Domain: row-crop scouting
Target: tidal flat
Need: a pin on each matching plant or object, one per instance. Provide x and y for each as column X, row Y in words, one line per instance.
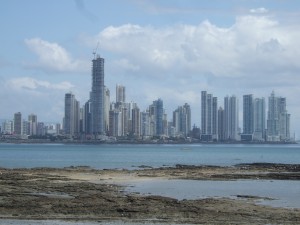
column 82, row 195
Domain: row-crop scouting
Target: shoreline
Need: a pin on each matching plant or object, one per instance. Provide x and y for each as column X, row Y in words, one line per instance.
column 86, row 194
column 99, row 142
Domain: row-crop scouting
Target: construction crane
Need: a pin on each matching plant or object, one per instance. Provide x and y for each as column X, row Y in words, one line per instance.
column 95, row 51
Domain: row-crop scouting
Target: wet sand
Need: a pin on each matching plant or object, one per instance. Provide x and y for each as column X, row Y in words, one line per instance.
column 85, row 194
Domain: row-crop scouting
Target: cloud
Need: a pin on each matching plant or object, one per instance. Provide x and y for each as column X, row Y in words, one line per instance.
column 53, row 57
column 204, row 48
column 29, row 95
column 31, row 84
column 259, row 10
column 124, row 64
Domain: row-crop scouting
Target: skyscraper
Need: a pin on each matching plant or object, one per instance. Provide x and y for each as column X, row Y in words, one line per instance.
column 259, row 119
column 209, row 116
column 273, row 118
column 7, row 127
column 156, row 113
column 18, row 123
column 231, row 118
column 72, row 112
column 159, row 116
column 97, row 96
column 106, row 109
column 221, row 123
column 32, row 120
column 182, row 120
column 115, row 120
column 136, row 121
column 215, row 124
column 248, row 115
column 120, row 93
column 278, row 122
column 87, row 118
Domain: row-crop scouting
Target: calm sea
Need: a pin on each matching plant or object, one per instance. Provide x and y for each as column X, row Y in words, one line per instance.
column 131, row 156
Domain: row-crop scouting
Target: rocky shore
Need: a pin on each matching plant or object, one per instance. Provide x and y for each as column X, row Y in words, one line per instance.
column 85, row 194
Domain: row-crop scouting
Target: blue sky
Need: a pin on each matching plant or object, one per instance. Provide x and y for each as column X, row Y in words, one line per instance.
column 172, row 49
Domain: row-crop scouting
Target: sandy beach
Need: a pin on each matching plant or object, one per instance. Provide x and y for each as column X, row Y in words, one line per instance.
column 85, row 194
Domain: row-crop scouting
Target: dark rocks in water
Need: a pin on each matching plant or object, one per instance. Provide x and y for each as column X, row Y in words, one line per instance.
column 277, row 166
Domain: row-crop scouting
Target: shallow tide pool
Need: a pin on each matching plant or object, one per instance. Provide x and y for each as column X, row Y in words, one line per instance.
column 276, row 193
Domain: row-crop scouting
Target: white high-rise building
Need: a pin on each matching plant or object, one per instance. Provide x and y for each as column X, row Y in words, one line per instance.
column 182, row 120
column 32, row 120
column 209, row 117
column 231, row 118
column 278, row 123
column 72, row 115
column 7, row 127
column 120, row 93
column 106, row 109
column 145, row 124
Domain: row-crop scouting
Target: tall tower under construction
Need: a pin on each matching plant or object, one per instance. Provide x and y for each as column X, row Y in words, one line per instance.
column 97, row 96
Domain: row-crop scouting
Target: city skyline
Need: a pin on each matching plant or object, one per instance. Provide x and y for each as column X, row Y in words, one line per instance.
column 126, row 119
column 163, row 49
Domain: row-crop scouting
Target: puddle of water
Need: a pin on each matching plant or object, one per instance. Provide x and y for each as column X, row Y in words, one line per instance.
column 276, row 193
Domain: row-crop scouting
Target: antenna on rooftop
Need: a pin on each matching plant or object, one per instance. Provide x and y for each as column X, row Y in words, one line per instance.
column 95, row 51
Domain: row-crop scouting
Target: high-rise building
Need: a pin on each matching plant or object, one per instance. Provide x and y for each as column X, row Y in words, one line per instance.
column 115, row 120
column 18, row 123
column 278, row 122
column 182, row 120
column 259, row 119
column 273, row 118
column 231, row 118
column 97, row 96
column 72, row 113
column 106, row 109
column 120, row 93
column 41, row 129
column 215, row 124
column 32, row 120
column 204, row 110
column 7, row 127
column 136, row 122
column 25, row 127
column 209, row 118
column 248, row 115
column 145, row 124
column 82, row 120
column 156, row 117
column 159, row 115
column 284, row 120
column 221, row 124
column 87, row 118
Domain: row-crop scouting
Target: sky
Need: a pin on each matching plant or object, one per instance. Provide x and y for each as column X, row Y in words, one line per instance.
column 168, row 49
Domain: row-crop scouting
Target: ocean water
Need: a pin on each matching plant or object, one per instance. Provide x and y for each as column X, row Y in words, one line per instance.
column 131, row 156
